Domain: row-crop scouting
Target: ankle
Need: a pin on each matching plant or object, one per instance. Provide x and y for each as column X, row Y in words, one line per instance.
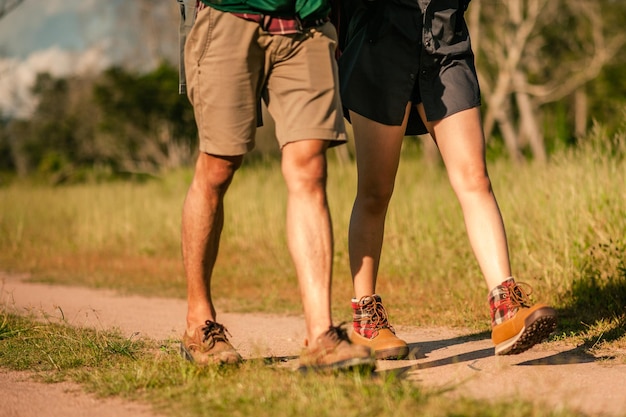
column 507, row 298
column 368, row 315
column 195, row 322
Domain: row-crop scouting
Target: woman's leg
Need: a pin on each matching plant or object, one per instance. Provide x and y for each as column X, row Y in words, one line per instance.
column 462, row 145
column 517, row 324
column 378, row 154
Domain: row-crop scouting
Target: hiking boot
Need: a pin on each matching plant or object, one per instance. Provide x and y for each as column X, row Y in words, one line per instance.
column 334, row 351
column 209, row 346
column 371, row 328
column 517, row 325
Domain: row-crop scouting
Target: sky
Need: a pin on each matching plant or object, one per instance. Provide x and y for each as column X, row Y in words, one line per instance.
column 47, row 35
column 63, row 37
column 42, row 24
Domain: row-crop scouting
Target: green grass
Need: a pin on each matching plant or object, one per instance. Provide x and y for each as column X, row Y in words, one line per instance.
column 108, row 364
column 566, row 224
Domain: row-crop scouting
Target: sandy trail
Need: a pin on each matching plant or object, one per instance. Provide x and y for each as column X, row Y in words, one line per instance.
column 559, row 376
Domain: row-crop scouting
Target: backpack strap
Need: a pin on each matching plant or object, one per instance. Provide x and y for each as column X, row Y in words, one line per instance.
column 188, row 9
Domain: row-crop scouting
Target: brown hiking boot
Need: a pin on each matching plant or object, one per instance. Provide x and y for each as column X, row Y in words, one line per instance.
column 517, row 324
column 209, row 346
column 333, row 351
column 371, row 328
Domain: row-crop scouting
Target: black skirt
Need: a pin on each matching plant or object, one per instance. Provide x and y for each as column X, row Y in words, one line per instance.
column 396, row 51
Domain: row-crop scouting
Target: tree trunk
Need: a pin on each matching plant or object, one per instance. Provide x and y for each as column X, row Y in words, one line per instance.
column 529, row 126
column 580, row 112
column 509, row 135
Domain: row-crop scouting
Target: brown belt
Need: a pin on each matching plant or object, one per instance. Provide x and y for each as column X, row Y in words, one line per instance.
column 281, row 25
column 276, row 25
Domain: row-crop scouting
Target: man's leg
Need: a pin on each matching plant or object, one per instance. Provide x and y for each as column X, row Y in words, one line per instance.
column 202, row 222
column 310, row 240
column 309, row 231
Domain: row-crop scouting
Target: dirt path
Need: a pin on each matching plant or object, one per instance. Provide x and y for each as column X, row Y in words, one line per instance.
column 559, row 376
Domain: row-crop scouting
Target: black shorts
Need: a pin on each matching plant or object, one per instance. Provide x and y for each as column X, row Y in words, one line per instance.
column 393, row 56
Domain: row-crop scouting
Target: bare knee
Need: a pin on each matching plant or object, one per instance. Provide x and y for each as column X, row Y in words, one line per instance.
column 308, row 178
column 215, row 173
column 304, row 169
column 471, row 180
column 374, row 199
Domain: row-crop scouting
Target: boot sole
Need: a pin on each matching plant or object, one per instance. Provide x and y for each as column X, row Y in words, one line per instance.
column 361, row 365
column 392, row 354
column 386, row 353
column 537, row 328
column 218, row 361
column 185, row 354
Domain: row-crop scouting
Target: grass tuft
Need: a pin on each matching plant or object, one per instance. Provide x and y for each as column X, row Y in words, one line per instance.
column 565, row 221
column 144, row 370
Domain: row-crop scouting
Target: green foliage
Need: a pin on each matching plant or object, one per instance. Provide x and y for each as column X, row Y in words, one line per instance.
column 568, row 56
column 109, row 364
column 566, row 223
column 608, row 96
column 600, row 290
column 607, row 93
column 126, row 235
column 115, row 124
column 27, row 345
column 122, row 123
column 9, row 328
column 603, row 144
column 145, row 108
column 6, row 159
column 49, row 143
column 595, row 308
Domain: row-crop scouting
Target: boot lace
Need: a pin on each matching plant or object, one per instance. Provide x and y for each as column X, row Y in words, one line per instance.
column 213, row 333
column 377, row 315
column 519, row 294
column 337, row 333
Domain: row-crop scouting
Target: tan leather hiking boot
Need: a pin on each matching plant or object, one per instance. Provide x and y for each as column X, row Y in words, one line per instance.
column 333, row 351
column 209, row 345
column 371, row 328
column 518, row 325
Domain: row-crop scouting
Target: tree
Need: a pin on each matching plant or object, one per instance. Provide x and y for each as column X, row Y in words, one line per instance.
column 120, row 121
column 8, row 5
column 147, row 33
column 534, row 52
column 57, row 138
column 145, row 113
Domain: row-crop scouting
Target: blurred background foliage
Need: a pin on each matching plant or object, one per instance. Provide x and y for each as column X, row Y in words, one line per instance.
column 549, row 71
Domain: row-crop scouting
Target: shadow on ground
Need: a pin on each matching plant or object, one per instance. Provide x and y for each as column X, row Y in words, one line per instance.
column 598, row 295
